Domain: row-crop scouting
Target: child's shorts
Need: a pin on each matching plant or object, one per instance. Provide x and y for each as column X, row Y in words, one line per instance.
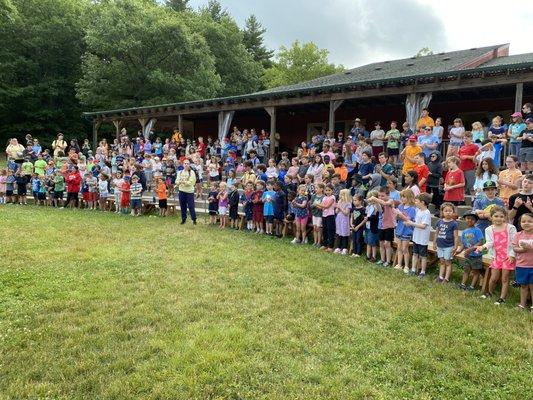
column 524, row 275
column 58, row 195
column 103, row 195
column 445, row 253
column 371, row 238
column 475, row 263
column 420, row 249
column 163, row 204
column 9, row 193
column 212, row 212
column 279, row 216
column 405, row 238
column 136, row 203
column 35, row 195
column 233, row 213
column 41, row 196
column 222, row 210
column 86, row 196
column 317, row 221
column 269, row 218
column 393, row 152
column 301, row 220
column 386, row 234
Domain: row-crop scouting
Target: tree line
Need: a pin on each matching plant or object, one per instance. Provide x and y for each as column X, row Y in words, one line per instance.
column 61, row 57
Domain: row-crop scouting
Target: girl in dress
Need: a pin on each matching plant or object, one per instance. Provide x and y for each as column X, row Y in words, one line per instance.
column 222, row 197
column 257, row 206
column 342, row 220
column 301, row 214
column 499, row 238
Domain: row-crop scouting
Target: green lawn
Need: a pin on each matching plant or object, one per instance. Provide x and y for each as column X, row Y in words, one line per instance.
column 100, row 306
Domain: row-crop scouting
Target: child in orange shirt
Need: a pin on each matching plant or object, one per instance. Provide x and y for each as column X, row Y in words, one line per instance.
column 161, row 191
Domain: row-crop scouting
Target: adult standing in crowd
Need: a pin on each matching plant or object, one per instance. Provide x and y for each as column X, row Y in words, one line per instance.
column 186, row 181
column 59, row 145
column 522, row 202
column 15, row 151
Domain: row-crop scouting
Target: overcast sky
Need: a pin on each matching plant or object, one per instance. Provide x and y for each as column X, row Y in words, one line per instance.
column 358, row 32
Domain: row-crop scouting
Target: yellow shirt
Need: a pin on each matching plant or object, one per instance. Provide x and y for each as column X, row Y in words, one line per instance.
column 512, row 176
column 248, row 177
column 410, row 152
column 427, row 121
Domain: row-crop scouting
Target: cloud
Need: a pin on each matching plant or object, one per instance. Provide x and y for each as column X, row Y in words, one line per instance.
column 356, row 32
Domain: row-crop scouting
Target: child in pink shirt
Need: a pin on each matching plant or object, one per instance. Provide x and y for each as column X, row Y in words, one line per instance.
column 523, row 248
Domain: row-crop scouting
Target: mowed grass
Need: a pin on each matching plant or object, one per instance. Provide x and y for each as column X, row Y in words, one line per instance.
column 99, row 306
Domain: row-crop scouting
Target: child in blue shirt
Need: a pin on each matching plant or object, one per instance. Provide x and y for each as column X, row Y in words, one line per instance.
column 446, row 241
column 406, row 211
column 470, row 239
column 269, row 199
column 35, row 186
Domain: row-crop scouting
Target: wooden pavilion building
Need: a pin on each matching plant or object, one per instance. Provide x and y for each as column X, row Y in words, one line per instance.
column 473, row 84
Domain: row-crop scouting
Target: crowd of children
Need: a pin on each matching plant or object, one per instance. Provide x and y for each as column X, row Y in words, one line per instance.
column 347, row 195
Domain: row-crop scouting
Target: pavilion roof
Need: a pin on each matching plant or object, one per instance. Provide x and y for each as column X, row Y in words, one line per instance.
column 490, row 59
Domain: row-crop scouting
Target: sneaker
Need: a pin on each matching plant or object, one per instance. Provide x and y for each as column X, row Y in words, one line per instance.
column 386, row 264
column 305, row 241
column 412, row 273
column 461, row 286
column 439, row 279
column 422, row 275
column 486, row 295
column 499, row 301
column 379, row 262
column 406, row 270
column 337, row 251
column 295, row 241
column 398, row 267
column 344, row 252
column 470, row 288
column 354, row 255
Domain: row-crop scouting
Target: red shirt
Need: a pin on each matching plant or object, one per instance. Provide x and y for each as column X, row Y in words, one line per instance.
column 423, row 172
column 454, row 178
column 73, row 182
column 467, row 150
column 201, row 149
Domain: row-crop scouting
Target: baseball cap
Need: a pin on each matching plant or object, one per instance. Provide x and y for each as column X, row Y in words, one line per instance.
column 471, row 214
column 490, row 185
column 357, row 120
column 516, row 114
column 529, row 120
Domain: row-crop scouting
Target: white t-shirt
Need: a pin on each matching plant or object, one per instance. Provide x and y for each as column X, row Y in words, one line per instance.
column 421, row 236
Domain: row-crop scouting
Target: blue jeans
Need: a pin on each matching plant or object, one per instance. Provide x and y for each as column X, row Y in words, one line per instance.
column 514, row 148
column 187, row 201
column 358, row 241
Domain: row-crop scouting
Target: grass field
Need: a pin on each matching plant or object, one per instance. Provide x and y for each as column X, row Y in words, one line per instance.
column 99, row 306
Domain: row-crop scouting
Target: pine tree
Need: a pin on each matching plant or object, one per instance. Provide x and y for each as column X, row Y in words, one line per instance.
column 253, row 41
column 178, row 5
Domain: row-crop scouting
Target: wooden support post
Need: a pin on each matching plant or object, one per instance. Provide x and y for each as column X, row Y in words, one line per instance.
column 96, row 125
column 143, row 122
column 180, row 124
column 333, row 106
column 117, row 123
column 518, row 96
column 272, row 112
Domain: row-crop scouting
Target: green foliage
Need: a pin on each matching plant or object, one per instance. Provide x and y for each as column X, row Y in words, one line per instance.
column 424, row 51
column 139, row 53
column 238, row 71
column 41, row 42
column 178, row 5
column 101, row 306
column 299, row 63
column 254, row 41
column 215, row 10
